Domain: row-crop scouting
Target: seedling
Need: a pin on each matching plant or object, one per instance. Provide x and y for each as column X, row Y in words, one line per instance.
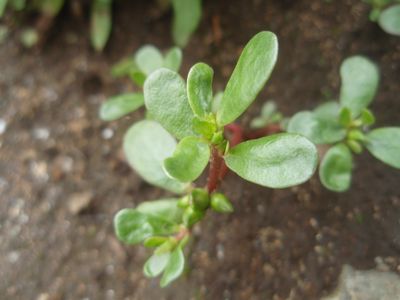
column 145, row 61
column 184, row 135
column 345, row 125
column 387, row 14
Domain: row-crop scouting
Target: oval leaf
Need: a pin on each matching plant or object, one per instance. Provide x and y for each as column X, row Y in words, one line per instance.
column 120, row 105
column 384, row 144
column 275, row 161
column 318, row 130
column 131, row 226
column 146, row 145
column 199, row 88
column 164, row 208
column 249, row 76
column 389, row 20
column 156, row 264
column 166, row 100
column 187, row 14
column 189, row 159
column 100, row 23
column 174, row 267
column 148, row 58
column 360, row 79
column 173, row 59
column 335, row 168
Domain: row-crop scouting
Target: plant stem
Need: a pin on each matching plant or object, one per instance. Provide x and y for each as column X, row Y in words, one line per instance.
column 216, row 163
column 267, row 130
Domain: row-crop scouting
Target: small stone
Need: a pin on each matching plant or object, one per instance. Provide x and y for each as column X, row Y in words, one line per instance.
column 107, row 133
column 3, row 126
column 41, row 133
column 79, row 201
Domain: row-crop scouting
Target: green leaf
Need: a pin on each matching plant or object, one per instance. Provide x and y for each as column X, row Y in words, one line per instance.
column 335, row 168
column 100, row 23
column 318, row 130
column 389, row 20
column 189, row 159
column 166, row 209
column 174, row 268
column 120, row 105
column 154, row 241
column 124, row 67
column 199, row 89
column 156, row 264
column 3, row 4
column 216, row 103
column 148, row 59
column 384, row 144
column 187, row 14
column 275, row 161
column 328, row 110
column 360, row 79
column 249, row 76
column 146, row 145
column 131, row 226
column 367, row 117
column 166, row 100
column 345, row 116
column 173, row 59
column 50, row 8
column 192, row 215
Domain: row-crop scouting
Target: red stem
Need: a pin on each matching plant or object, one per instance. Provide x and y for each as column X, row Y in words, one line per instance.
column 216, row 163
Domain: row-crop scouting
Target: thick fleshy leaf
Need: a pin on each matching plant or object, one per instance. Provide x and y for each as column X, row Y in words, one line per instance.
column 249, row 76
column 187, row 14
column 384, row 144
column 275, row 161
column 156, row 264
column 131, row 226
column 120, row 105
column 189, row 159
column 164, row 208
column 199, row 89
column 318, row 130
column 148, row 58
column 327, row 110
column 174, row 268
column 335, row 169
column 360, row 78
column 146, row 145
column 389, row 20
column 173, row 59
column 100, row 23
column 166, row 100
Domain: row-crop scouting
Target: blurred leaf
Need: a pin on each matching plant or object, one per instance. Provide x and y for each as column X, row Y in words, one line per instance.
column 345, row 116
column 120, row 105
column 360, row 79
column 367, row 117
column 146, row 145
column 156, row 264
column 164, row 208
column 189, row 159
column 327, row 110
column 131, row 226
column 335, row 168
column 389, row 20
column 173, row 59
column 192, row 215
column 29, row 37
column 100, row 23
column 275, row 161
column 384, row 144
column 199, row 89
column 174, row 267
column 216, row 103
column 47, row 7
column 166, row 100
column 187, row 14
column 3, row 4
column 124, row 67
column 154, row 241
column 148, row 59
column 249, row 76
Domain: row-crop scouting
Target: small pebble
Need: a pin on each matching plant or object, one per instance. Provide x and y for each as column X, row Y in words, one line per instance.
column 107, row 133
column 3, row 126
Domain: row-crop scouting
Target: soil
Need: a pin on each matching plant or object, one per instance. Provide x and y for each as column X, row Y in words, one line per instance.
column 63, row 176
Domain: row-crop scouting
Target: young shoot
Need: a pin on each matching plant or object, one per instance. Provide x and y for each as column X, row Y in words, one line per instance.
column 345, row 125
column 387, row 14
column 187, row 132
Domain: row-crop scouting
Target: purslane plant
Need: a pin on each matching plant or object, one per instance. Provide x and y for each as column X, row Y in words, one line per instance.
column 345, row 125
column 387, row 14
column 138, row 67
column 185, row 134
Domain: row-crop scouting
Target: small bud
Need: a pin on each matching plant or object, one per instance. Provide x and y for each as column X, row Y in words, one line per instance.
column 367, row 117
column 220, row 203
column 191, row 216
column 167, row 246
column 184, row 202
column 217, row 137
column 355, row 146
column 154, row 241
column 345, row 116
column 356, row 134
column 201, row 199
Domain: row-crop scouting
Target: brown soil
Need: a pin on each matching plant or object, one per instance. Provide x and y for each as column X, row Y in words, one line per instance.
column 279, row 244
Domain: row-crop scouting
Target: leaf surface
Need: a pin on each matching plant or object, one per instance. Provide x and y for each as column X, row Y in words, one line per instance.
column 384, row 144
column 120, row 105
column 174, row 267
column 389, row 20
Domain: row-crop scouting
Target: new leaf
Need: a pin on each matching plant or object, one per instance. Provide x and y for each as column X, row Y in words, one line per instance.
column 166, row 100
column 275, row 161
column 335, row 168
column 249, row 76
column 146, row 145
column 189, row 159
column 174, row 267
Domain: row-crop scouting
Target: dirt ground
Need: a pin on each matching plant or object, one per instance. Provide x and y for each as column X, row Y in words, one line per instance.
column 63, row 176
